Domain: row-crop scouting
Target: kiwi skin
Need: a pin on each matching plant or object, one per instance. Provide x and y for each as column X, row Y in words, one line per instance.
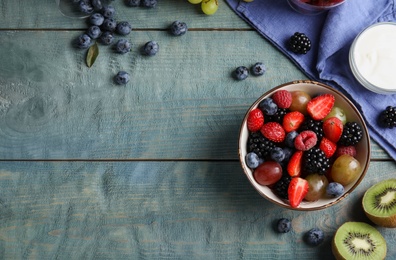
column 387, row 219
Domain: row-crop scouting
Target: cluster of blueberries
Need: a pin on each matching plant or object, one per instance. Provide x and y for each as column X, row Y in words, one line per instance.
column 103, row 26
column 242, row 72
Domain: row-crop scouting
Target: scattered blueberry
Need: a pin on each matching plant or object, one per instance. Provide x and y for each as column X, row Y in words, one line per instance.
column 241, row 73
column 289, row 139
column 334, row 189
column 133, row 3
column 123, row 28
column 277, row 154
column 109, row 24
column 178, row 28
column 314, row 237
column 252, row 160
column 149, row 3
column 107, row 38
column 258, row 69
column 97, row 5
column 94, row 32
column 150, row 48
column 283, row 225
column 268, row 106
column 83, row 41
column 123, row 46
column 96, row 19
column 85, row 7
column 108, row 11
column 121, row 78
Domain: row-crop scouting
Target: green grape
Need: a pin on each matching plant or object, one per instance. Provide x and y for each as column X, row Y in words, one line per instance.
column 337, row 112
column 209, row 7
column 195, row 1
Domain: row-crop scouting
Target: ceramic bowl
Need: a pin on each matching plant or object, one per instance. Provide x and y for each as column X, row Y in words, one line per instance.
column 314, row 7
column 363, row 147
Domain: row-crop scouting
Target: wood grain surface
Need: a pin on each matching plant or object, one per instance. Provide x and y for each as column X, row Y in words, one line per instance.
column 150, row 170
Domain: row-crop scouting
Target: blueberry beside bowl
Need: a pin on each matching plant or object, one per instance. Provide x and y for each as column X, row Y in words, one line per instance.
column 362, row 147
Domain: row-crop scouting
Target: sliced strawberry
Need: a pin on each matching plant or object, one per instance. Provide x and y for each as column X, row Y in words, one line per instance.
column 292, row 121
column 328, row 147
column 297, row 190
column 319, row 107
column 282, row 98
column 294, row 165
column 332, row 129
column 273, row 131
column 255, row 120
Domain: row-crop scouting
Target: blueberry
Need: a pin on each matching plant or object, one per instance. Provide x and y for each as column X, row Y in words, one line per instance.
column 107, row 38
column 288, row 153
column 277, row 154
column 334, row 189
column 178, row 28
column 252, row 160
column 283, row 225
column 241, row 73
column 150, row 48
column 121, row 78
column 268, row 106
column 314, row 237
column 83, row 41
column 96, row 19
column 289, row 139
column 149, row 3
column 97, row 5
column 123, row 46
column 85, row 7
column 123, row 28
column 108, row 11
column 132, row 3
column 94, row 31
column 258, row 69
column 109, row 24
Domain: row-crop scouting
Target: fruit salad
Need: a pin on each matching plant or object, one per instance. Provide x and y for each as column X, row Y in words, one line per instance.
column 302, row 146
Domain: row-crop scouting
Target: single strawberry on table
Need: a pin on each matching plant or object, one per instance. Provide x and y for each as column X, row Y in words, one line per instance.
column 319, row 107
column 255, row 120
column 297, row 190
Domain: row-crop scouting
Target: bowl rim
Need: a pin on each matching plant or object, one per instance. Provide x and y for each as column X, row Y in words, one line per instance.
column 349, row 102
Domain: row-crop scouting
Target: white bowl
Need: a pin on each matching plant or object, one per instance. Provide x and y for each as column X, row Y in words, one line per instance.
column 363, row 147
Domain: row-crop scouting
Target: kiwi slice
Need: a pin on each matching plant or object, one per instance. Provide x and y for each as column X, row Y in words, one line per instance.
column 379, row 203
column 358, row 240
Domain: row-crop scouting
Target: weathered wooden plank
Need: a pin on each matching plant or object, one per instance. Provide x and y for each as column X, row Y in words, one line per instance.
column 158, row 210
column 20, row 15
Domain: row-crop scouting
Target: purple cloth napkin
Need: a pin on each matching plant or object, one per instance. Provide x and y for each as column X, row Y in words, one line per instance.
column 331, row 34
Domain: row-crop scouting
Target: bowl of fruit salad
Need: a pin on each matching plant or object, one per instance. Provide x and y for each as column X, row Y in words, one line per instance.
column 313, row 7
column 303, row 145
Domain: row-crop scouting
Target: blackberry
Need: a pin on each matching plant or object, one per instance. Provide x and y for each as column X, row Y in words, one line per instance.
column 387, row 117
column 260, row 145
column 299, row 43
column 278, row 116
column 315, row 161
column 313, row 125
column 351, row 134
column 282, row 186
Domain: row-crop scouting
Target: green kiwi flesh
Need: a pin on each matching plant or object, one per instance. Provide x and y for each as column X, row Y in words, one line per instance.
column 358, row 240
column 379, row 203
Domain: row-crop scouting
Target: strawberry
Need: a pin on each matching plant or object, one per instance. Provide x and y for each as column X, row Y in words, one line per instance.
column 332, row 129
column 273, row 131
column 297, row 190
column 319, row 107
column 292, row 121
column 328, row 147
column 282, row 98
column 294, row 165
column 255, row 120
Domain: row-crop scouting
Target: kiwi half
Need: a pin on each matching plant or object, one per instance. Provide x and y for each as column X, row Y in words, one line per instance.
column 379, row 203
column 358, row 240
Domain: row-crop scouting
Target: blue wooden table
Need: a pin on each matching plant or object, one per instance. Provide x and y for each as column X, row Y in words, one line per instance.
column 149, row 170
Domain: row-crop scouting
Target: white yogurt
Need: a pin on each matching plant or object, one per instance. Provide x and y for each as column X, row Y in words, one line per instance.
column 373, row 57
